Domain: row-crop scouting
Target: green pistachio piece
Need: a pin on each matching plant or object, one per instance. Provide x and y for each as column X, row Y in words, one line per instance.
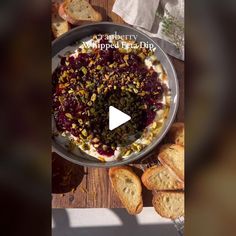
column 89, row 103
column 99, row 67
column 85, row 146
column 68, row 115
column 95, row 140
column 74, row 126
column 80, row 121
column 93, row 97
column 128, row 153
column 84, row 132
column 84, row 70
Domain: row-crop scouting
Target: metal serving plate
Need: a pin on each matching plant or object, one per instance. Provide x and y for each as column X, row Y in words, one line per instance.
column 81, row 33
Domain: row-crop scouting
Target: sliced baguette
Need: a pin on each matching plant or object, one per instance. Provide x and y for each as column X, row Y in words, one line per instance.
column 127, row 186
column 64, row 16
column 169, row 204
column 172, row 155
column 59, row 26
column 160, row 177
column 176, row 133
column 78, row 11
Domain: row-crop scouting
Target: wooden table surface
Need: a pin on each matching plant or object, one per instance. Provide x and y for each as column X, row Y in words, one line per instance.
column 75, row 186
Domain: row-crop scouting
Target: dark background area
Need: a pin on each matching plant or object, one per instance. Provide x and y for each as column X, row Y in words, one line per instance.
column 210, row 118
column 25, row 167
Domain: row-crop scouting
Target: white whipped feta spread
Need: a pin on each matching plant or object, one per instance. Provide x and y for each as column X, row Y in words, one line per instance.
column 160, row 115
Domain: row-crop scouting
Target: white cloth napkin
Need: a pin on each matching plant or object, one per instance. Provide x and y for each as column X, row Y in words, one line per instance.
column 142, row 15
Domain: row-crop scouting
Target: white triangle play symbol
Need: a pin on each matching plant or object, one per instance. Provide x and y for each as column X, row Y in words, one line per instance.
column 117, row 118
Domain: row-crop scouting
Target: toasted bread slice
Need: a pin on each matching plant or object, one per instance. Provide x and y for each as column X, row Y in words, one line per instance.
column 59, row 26
column 172, row 155
column 159, row 177
column 176, row 133
column 79, row 11
column 64, row 16
column 128, row 187
column 169, row 204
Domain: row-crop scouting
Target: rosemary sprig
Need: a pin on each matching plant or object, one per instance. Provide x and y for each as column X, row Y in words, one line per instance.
column 173, row 29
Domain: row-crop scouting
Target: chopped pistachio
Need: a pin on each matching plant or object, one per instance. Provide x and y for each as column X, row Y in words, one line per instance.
column 87, row 122
column 142, row 93
column 74, row 126
column 85, row 146
column 89, row 103
column 126, row 58
column 93, row 97
column 73, row 80
column 81, row 92
column 127, row 153
column 122, row 65
column 99, row 67
column 84, row 132
column 84, row 70
column 92, row 110
column 61, row 99
column 154, row 125
column 80, row 121
column 99, row 90
column 122, row 50
column 136, row 147
column 68, row 115
column 95, row 140
column 129, row 50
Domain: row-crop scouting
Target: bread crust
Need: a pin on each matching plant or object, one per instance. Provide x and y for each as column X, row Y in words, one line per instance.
column 169, row 204
column 130, row 198
column 72, row 17
column 160, row 177
column 172, row 155
column 59, row 25
column 64, row 16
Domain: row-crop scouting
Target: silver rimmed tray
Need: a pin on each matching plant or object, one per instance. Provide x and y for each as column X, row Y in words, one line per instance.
column 63, row 43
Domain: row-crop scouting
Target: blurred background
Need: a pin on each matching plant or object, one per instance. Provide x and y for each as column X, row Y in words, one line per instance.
column 209, row 104
column 210, row 118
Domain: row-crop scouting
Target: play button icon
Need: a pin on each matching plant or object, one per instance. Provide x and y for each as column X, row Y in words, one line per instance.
column 117, row 118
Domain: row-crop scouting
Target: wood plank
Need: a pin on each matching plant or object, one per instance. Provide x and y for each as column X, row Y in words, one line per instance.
column 101, row 7
column 68, row 181
column 97, row 188
column 111, row 15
